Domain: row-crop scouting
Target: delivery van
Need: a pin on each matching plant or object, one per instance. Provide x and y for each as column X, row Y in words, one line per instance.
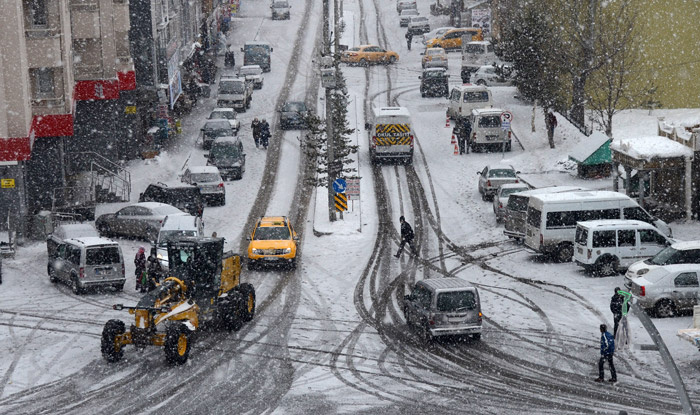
column 464, row 98
column 488, row 131
column 390, row 135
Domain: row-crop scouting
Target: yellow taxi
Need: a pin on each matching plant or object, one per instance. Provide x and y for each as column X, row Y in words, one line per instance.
column 434, row 58
column 273, row 242
column 452, row 39
column 365, row 54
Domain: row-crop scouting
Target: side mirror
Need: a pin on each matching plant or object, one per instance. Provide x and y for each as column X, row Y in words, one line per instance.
column 479, row 173
column 420, row 77
column 422, row 53
column 206, row 155
column 517, row 172
column 118, row 307
column 248, row 238
column 241, row 49
column 140, row 196
column 367, row 126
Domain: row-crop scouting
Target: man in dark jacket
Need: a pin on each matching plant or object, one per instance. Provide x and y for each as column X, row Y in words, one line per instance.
column 255, row 126
column 616, row 308
column 264, row 133
column 462, row 132
column 607, row 349
column 409, row 39
column 406, row 237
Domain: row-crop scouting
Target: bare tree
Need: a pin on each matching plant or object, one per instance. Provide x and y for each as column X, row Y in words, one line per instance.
column 617, row 85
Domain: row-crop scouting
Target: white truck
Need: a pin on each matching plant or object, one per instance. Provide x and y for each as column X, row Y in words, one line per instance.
column 390, row 135
column 475, row 53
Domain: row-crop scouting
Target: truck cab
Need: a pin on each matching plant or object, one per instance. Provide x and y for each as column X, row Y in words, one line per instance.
column 257, row 53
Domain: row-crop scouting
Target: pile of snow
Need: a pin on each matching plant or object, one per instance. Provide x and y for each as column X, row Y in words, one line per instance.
column 650, row 147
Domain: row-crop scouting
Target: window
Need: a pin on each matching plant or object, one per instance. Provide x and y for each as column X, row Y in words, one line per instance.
column 638, row 213
column 422, row 297
column 38, row 13
column 454, row 96
column 102, row 256
column 581, row 235
column 493, row 121
column 604, row 239
column 651, row 237
column 43, row 83
column 477, row 96
column 534, row 217
column 74, row 255
column 128, row 211
column 518, row 203
column 456, row 301
column 626, row 238
column 686, row 279
column 690, row 256
column 502, row 173
column 561, row 220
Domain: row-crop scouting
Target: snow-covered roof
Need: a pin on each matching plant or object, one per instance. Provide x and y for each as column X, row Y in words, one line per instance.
column 93, row 240
column 581, row 196
column 587, row 146
column 204, row 169
column 614, row 223
column 75, row 230
column 256, row 43
column 482, row 111
column 650, row 147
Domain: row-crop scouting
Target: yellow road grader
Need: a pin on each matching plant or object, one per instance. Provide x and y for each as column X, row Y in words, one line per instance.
column 203, row 289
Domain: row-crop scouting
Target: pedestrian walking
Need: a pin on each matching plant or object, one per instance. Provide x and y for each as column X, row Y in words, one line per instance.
column 607, row 350
column 463, row 131
column 229, row 57
column 153, row 270
column 406, row 237
column 140, row 270
column 255, row 126
column 550, row 121
column 264, row 133
column 409, row 39
column 616, row 309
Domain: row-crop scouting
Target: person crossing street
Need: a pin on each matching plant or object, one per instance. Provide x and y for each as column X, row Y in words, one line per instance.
column 607, row 350
column 406, row 237
column 409, row 39
column 255, row 127
column 264, row 133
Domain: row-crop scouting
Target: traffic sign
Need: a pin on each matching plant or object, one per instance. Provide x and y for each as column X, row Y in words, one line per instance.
column 506, row 116
column 353, row 189
column 339, row 185
column 505, row 125
column 7, row 183
column 341, row 202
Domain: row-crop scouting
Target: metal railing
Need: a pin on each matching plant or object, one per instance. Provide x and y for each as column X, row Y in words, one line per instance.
column 104, row 174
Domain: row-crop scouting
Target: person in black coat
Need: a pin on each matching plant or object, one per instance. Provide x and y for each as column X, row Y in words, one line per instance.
column 255, row 126
column 616, row 308
column 406, row 237
column 462, row 132
column 409, row 39
column 264, row 133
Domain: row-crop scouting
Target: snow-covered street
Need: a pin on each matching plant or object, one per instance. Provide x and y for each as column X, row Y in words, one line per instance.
column 330, row 336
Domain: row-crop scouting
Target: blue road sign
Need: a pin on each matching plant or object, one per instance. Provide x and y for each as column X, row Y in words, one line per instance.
column 339, row 185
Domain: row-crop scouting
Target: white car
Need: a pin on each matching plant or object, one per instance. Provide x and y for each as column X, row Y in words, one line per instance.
column 226, row 114
column 489, row 75
column 492, row 177
column 435, row 33
column 280, row 10
column 500, row 200
column 252, row 74
column 418, row 25
column 209, row 181
column 406, row 16
column 175, row 227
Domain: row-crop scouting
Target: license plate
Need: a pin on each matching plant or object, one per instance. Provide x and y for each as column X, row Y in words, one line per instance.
column 271, row 258
column 492, row 137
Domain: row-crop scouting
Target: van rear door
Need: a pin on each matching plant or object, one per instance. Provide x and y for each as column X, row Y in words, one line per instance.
column 102, row 263
column 459, row 308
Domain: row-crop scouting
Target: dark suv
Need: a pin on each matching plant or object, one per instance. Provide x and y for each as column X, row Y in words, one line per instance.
column 181, row 195
column 434, row 82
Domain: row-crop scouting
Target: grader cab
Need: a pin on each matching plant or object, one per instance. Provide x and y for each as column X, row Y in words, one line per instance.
column 203, row 289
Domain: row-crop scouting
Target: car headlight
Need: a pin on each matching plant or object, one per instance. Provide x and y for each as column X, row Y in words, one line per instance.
column 288, row 251
column 160, row 256
column 642, row 271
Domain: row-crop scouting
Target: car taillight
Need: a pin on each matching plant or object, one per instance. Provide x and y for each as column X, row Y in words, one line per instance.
column 517, row 180
column 82, row 272
column 411, row 138
column 500, row 205
column 431, row 322
column 123, row 271
column 480, row 317
column 473, row 136
column 221, row 184
column 374, row 141
column 488, row 183
column 642, row 291
column 589, row 253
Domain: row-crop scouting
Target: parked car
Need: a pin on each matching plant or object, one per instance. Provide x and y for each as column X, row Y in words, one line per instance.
column 227, row 155
column 226, row 114
column 87, row 262
column 273, row 242
column 293, row 114
column 365, row 54
column 465, row 98
column 252, row 74
column 209, row 181
column 405, row 4
column 500, row 200
column 140, row 220
column 668, row 289
column 452, row 39
column 475, row 54
column 214, row 129
column 185, row 197
column 489, row 75
column 494, row 176
column 173, row 228
column 608, row 245
column 434, row 57
column 442, row 307
column 435, row 33
column 405, row 16
column 687, row 252
column 488, row 130
column 434, row 82
column 418, row 25
column 280, row 9
column 234, row 93
column 66, row 231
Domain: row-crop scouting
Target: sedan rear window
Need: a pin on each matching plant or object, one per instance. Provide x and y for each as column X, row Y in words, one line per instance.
column 502, row 173
column 205, row 177
column 102, row 256
column 456, row 301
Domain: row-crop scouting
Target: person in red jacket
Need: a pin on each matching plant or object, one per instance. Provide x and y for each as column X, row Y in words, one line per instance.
column 140, row 264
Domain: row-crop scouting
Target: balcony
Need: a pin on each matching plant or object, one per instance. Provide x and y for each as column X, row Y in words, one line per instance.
column 43, row 48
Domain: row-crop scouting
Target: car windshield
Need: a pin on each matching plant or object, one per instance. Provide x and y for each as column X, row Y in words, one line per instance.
column 223, row 115
column 224, row 151
column 491, row 121
column 205, row 177
column 509, row 191
column 419, row 20
column 435, row 52
column 280, row 4
column 409, row 12
column 250, row 71
column 102, row 256
column 671, row 255
column 433, row 74
column 272, row 233
column 474, row 48
column 262, row 50
column 294, row 107
column 166, row 236
column 501, row 173
column 231, row 87
column 456, row 301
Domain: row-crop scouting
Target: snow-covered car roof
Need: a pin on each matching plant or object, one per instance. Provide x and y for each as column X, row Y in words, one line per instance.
column 250, row 67
column 75, row 230
column 93, row 240
column 227, row 139
column 223, row 110
column 409, row 12
column 487, row 111
column 614, row 223
column 399, row 111
column 513, row 186
column 204, row 169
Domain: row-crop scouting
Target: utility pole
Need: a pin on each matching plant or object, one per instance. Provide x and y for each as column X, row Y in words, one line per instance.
column 330, row 133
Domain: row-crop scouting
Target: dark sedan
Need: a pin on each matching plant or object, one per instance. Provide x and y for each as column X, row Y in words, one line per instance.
column 434, row 82
column 140, row 220
column 293, row 114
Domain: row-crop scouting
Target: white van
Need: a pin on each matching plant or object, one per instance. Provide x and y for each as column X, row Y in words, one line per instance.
column 465, row 98
column 487, row 132
column 552, row 218
column 390, row 135
column 516, row 209
column 606, row 246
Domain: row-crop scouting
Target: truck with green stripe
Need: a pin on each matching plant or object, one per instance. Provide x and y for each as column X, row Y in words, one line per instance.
column 390, row 135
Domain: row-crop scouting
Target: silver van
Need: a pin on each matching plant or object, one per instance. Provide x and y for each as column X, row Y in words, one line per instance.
column 87, row 262
column 443, row 307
